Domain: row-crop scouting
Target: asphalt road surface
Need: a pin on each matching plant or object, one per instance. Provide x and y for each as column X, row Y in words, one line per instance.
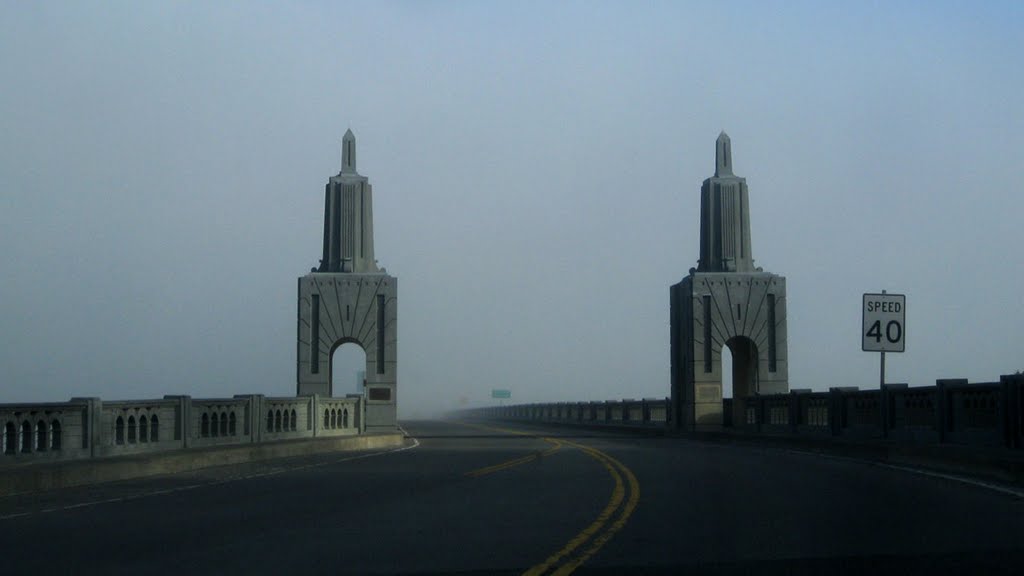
column 498, row 498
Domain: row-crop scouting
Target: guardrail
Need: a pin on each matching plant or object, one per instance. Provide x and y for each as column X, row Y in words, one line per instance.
column 645, row 412
column 952, row 411
column 91, row 428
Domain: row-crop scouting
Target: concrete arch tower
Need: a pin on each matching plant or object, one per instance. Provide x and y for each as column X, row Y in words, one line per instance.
column 725, row 301
column 348, row 298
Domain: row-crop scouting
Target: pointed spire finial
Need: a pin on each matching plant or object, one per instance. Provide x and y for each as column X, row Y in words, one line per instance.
column 348, row 153
column 723, row 155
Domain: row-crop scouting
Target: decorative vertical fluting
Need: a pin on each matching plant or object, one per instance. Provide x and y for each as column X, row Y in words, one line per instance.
column 348, row 217
column 725, row 222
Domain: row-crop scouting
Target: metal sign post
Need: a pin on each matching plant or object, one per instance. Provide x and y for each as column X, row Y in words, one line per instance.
column 881, row 372
column 884, row 325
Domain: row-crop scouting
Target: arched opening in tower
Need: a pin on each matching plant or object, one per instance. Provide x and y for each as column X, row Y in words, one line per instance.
column 739, row 374
column 348, row 369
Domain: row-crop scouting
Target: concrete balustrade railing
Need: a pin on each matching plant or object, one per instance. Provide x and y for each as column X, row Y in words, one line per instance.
column 952, row 411
column 646, row 412
column 91, row 428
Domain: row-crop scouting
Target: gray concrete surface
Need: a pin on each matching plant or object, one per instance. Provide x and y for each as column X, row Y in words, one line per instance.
column 349, row 298
column 93, row 428
column 725, row 302
column 701, row 508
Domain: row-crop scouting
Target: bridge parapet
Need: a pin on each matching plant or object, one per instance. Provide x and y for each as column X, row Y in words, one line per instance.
column 46, row 430
column 951, row 411
column 646, row 412
column 91, row 428
column 136, row 426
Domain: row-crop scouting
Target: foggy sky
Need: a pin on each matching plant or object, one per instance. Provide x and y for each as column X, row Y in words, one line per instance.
column 536, row 174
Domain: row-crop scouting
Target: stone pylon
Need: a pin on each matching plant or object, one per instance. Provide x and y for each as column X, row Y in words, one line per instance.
column 725, row 301
column 348, row 298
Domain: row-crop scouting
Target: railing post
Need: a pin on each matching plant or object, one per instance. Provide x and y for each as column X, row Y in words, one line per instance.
column 941, row 410
column 182, row 419
column 943, row 417
column 1016, row 408
column 92, row 418
column 794, row 409
column 259, row 421
column 248, row 418
column 835, row 408
column 887, row 408
column 1009, row 401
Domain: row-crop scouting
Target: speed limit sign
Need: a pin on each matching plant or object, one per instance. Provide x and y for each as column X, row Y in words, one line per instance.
column 884, row 323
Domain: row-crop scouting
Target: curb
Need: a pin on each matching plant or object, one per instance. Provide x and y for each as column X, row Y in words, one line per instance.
column 51, row 476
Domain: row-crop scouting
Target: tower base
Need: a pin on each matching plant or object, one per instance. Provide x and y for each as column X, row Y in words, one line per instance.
column 338, row 308
column 709, row 310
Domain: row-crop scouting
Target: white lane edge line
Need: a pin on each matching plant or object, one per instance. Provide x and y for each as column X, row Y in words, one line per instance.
column 918, row 471
column 955, row 478
column 272, row 472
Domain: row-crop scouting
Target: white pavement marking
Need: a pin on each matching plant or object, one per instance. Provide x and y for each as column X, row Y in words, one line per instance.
column 272, row 472
column 921, row 472
column 955, row 478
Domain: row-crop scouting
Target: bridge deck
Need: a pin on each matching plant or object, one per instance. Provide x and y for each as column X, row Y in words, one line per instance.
column 495, row 500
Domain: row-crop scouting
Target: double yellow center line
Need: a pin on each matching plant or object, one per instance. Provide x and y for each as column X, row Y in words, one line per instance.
column 512, row 463
column 620, row 506
column 612, row 518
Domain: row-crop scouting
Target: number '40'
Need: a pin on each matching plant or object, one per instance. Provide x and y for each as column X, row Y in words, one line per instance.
column 893, row 331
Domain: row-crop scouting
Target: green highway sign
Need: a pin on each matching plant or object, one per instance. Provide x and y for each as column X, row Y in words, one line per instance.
column 496, row 393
